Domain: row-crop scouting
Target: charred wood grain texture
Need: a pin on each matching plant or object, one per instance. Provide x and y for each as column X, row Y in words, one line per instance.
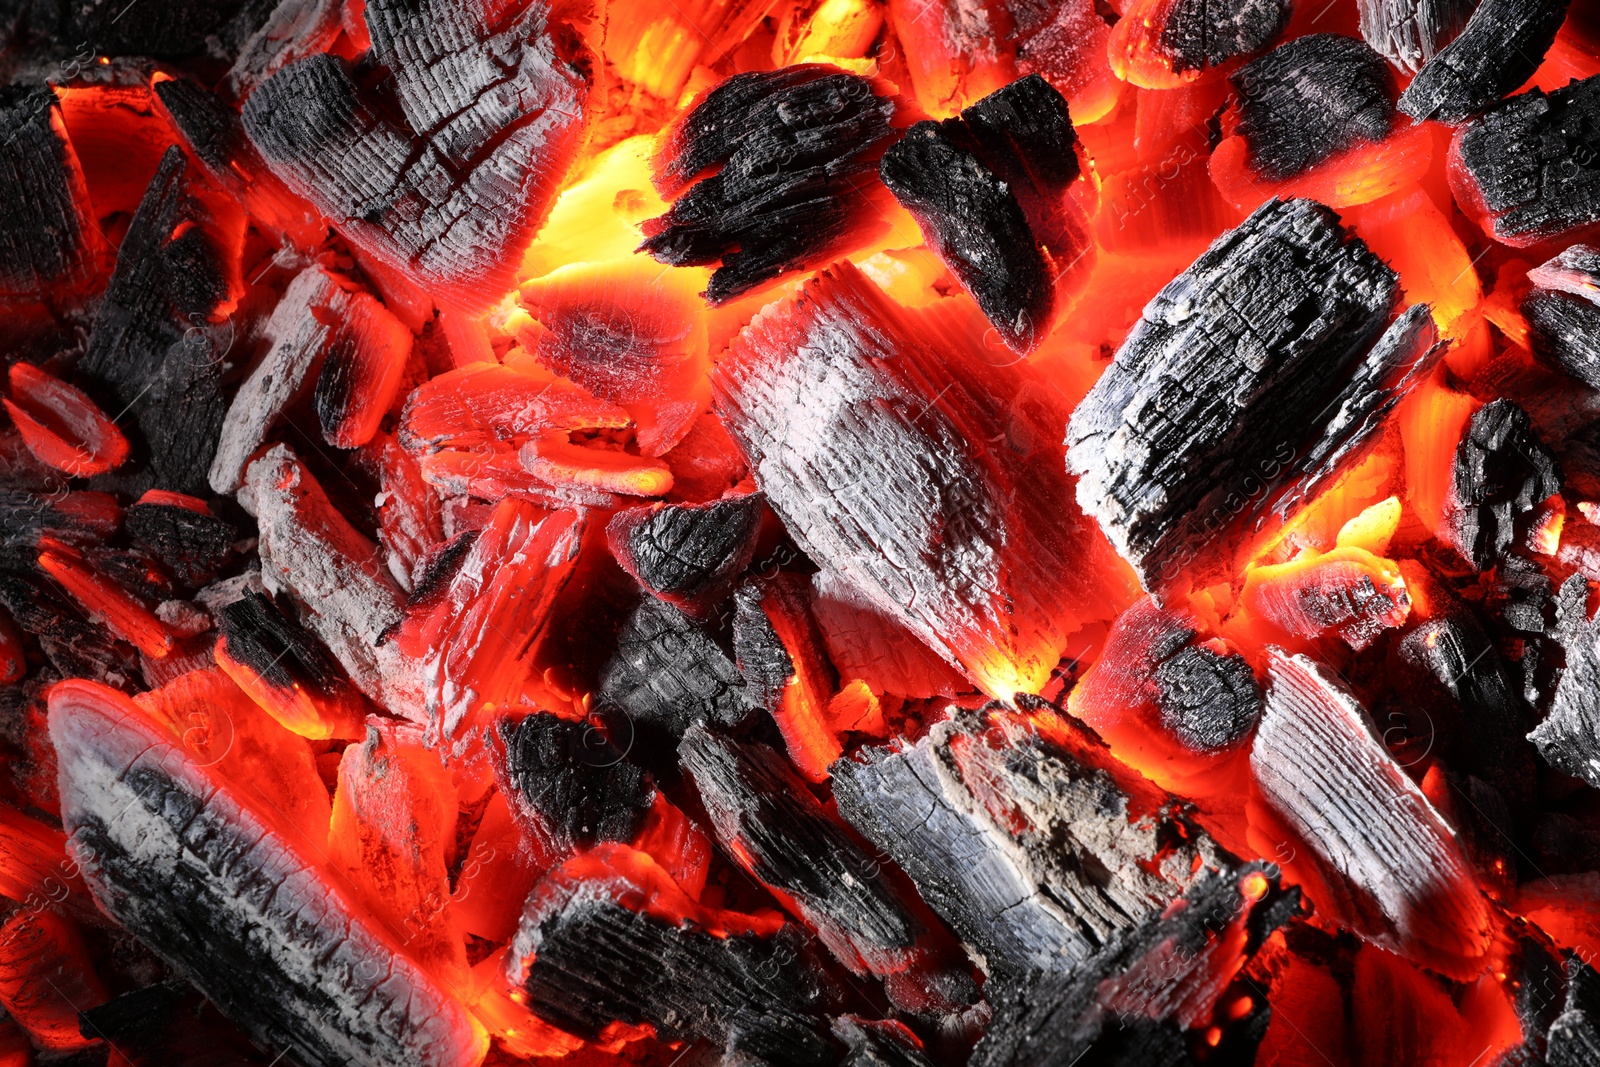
column 1530, row 164
column 193, row 545
column 577, row 783
column 794, row 150
column 1501, row 46
column 1311, row 99
column 1201, row 34
column 668, row 673
column 1036, row 857
column 1569, row 736
column 1563, row 313
column 1224, row 383
column 277, row 649
column 688, row 554
column 1408, row 33
column 48, row 239
column 1501, row 473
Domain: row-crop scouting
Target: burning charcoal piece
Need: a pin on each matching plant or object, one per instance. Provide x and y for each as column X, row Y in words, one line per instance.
column 780, row 653
column 47, row 977
column 1347, row 593
column 183, row 534
column 1502, row 472
column 867, row 644
column 286, row 670
column 1374, row 854
column 1574, row 1036
column 878, row 1044
column 225, row 894
column 452, row 188
column 862, row 422
column 1502, row 45
column 1015, row 831
column 1132, row 1004
column 1563, row 313
column 688, row 554
column 361, row 370
column 294, row 30
column 1524, row 168
column 577, row 786
column 970, row 183
column 1569, row 737
column 669, row 673
column 795, row 149
column 1210, row 398
column 1408, row 33
column 609, row 936
column 1161, row 44
column 48, row 239
column 62, row 427
column 768, row 821
column 1311, row 99
column 156, row 353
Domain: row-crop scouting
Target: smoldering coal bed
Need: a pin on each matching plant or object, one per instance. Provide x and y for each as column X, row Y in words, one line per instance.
column 888, row 533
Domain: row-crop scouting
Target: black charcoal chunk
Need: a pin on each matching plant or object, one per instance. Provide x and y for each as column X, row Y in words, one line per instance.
column 1538, row 985
column 974, row 223
column 1530, row 162
column 209, row 127
column 169, row 1024
column 1410, row 32
column 689, row 554
column 669, row 673
column 163, row 29
column 191, row 544
column 1207, row 699
column 1125, row 1007
column 1502, row 472
column 1309, row 100
column 581, row 786
column 276, row 648
column 1023, row 132
column 1574, row 1037
column 764, row 662
column 1502, row 45
column 154, row 358
column 584, row 959
column 877, row 1044
column 1569, row 736
column 45, row 232
column 1199, row 34
column 1563, row 313
column 1035, row 857
column 764, row 815
column 1227, row 378
column 795, row 149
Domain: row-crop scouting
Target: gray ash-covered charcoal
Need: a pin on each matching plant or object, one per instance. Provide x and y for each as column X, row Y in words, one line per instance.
column 1502, row 45
column 781, row 164
column 1563, row 313
column 1225, row 386
column 687, row 554
column 669, row 673
column 1311, row 99
column 1528, row 168
column 1502, row 472
column 1408, row 33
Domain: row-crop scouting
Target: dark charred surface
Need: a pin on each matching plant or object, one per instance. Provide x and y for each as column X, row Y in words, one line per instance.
column 45, row 235
column 763, row 660
column 165, row 29
column 1569, row 737
column 1085, row 866
column 155, row 356
column 170, row 1025
column 1410, row 32
column 1563, row 313
column 1529, row 161
column 1311, row 99
column 1574, row 1036
column 1209, row 399
column 689, row 554
column 878, row 1044
column 1207, row 699
column 797, row 149
column 1199, row 34
column 669, row 673
column 1502, row 472
column 1502, row 45
column 191, row 544
column 276, row 648
column 579, row 784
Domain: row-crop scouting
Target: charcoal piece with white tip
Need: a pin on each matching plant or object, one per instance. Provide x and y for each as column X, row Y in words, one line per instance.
column 1563, row 313
column 1310, row 99
column 1500, row 47
column 1228, row 379
column 1201, row 34
column 192, row 544
column 1020, row 836
column 1529, row 165
column 581, row 787
column 1408, row 33
column 669, row 673
column 1569, row 736
column 687, row 554
column 790, row 148
column 1502, row 472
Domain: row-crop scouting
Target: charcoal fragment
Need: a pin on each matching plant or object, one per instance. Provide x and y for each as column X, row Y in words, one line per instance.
column 1311, row 99
column 277, row 650
column 582, row 789
column 170, row 1024
column 1207, row 405
column 1207, row 699
column 192, row 544
column 669, row 673
column 1502, row 472
column 1527, row 164
column 1408, row 33
column 48, row 239
column 688, row 554
column 1563, row 313
column 1574, row 1037
column 1016, row 832
column 1200, row 34
column 1569, row 736
column 878, row 1044
column 795, row 150
column 1501, row 46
